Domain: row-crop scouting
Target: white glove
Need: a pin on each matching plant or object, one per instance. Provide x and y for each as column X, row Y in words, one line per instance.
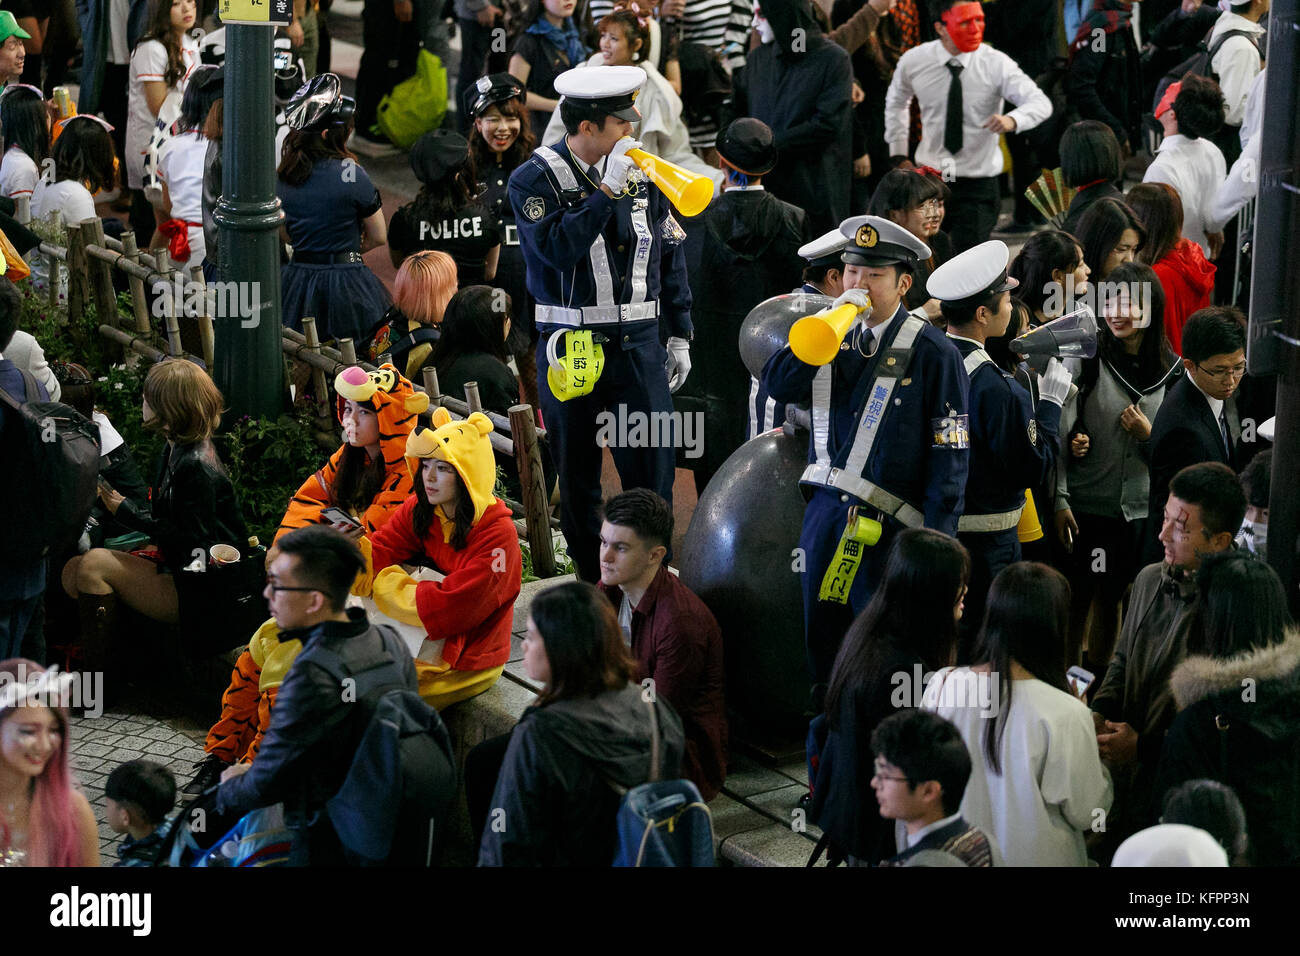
column 619, row 165
column 678, row 365
column 856, row 297
column 1054, row 384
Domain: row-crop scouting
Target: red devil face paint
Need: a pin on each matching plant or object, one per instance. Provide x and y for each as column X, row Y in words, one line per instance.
column 965, row 24
column 1167, row 101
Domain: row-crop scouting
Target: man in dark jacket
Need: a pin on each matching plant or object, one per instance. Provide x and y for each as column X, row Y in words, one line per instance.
column 316, row 725
column 1105, row 80
column 672, row 633
column 1198, row 419
column 800, row 84
column 740, row 251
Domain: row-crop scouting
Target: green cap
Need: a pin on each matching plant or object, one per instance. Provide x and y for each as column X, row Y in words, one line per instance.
column 9, row 27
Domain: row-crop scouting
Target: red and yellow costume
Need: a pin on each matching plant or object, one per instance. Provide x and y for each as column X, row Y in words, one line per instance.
column 246, row 704
column 471, row 610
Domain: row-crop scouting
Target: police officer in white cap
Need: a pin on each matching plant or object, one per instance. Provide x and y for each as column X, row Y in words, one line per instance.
column 824, row 273
column 606, row 269
column 888, row 449
column 1013, row 445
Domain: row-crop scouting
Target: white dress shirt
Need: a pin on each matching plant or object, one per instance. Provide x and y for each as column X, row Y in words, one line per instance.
column 1242, row 184
column 988, row 77
column 1195, row 168
column 1236, row 63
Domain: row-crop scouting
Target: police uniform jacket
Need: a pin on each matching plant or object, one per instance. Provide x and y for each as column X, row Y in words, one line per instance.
column 584, row 249
column 920, row 453
column 1011, row 449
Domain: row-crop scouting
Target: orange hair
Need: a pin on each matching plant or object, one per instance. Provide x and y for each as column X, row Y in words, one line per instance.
column 425, row 284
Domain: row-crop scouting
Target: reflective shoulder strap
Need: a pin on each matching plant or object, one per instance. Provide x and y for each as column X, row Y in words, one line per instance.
column 975, row 361
column 893, row 365
column 561, row 170
column 821, row 415
column 601, row 272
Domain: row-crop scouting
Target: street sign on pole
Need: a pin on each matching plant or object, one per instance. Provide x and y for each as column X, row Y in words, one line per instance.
column 273, row 12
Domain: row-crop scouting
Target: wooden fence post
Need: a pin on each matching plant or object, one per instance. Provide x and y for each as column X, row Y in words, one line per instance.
column 56, row 219
column 207, row 336
column 318, row 376
column 78, row 274
column 471, row 397
column 431, row 386
column 101, row 274
column 171, row 323
column 348, row 351
column 139, row 306
column 528, row 459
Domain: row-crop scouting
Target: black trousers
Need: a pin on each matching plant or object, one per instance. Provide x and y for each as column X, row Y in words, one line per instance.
column 389, row 56
column 972, row 211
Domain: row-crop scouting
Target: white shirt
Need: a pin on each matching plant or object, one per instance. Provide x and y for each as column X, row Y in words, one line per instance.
column 625, row 620
column 914, row 838
column 1052, row 786
column 1195, row 168
column 1242, row 184
column 69, row 197
column 989, row 77
column 25, row 352
column 181, row 168
column 1236, row 63
column 149, row 63
column 18, row 173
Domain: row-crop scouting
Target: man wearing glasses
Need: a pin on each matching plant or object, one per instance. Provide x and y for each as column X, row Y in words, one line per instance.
column 1198, row 419
column 316, row 726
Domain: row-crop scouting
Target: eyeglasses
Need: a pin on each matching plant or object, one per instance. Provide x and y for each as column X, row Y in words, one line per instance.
column 881, row 775
column 1233, row 371
column 931, row 207
column 276, row 588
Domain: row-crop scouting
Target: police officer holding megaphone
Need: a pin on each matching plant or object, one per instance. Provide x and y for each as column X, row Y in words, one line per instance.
column 1013, row 445
column 605, row 265
column 888, row 448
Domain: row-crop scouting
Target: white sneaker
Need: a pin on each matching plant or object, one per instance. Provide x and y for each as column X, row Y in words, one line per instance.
column 370, row 147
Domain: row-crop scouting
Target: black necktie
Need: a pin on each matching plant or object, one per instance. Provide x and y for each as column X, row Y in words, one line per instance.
column 1227, row 435
column 952, row 124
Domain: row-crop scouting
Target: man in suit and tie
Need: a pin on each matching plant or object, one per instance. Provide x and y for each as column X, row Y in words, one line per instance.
column 1198, row 420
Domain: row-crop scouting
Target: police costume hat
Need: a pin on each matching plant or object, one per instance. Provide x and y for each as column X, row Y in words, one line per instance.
column 748, row 146
column 873, row 241
column 494, row 89
column 608, row 91
column 970, row 278
column 825, row 250
column 436, row 154
column 319, row 104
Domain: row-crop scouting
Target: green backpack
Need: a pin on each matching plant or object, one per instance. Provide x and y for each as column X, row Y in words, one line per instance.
column 416, row 105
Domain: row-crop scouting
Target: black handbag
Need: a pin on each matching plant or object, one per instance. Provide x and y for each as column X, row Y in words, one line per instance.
column 222, row 605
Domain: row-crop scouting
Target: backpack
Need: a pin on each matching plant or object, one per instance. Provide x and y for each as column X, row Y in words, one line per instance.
column 52, row 463
column 1199, row 62
column 386, row 339
column 662, row 823
column 395, row 800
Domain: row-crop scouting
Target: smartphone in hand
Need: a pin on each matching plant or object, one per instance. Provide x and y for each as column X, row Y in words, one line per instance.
column 339, row 520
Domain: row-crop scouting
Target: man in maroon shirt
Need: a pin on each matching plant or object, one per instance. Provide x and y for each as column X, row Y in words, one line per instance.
column 671, row 632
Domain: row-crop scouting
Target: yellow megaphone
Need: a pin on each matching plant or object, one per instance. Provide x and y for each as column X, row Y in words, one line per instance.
column 689, row 192
column 815, row 339
column 1029, row 529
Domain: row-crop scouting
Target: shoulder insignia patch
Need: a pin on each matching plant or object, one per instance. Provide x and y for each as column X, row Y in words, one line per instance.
column 951, row 431
column 1033, row 431
column 534, row 208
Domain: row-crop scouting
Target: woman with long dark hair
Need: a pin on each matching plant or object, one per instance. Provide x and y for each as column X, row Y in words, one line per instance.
column 160, row 69
column 180, row 170
column 472, row 347
column 45, row 820
column 25, row 123
column 1236, row 692
column 500, row 141
column 908, row 630
column 447, row 214
column 332, row 214
column 455, row 524
column 590, row 725
column 1186, row 276
column 1111, row 234
column 1101, row 492
column 1052, row 271
column 1037, row 781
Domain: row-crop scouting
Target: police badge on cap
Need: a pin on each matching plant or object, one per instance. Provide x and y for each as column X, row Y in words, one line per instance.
column 874, row 241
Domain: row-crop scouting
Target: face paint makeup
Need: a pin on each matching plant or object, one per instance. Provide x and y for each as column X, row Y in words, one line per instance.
column 965, row 25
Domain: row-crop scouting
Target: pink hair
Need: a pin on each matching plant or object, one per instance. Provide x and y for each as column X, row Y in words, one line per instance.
column 425, row 284
column 52, row 838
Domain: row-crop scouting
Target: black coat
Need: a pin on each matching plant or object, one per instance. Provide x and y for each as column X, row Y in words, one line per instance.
column 315, row 732
column 1184, row 433
column 1239, row 724
column 556, row 805
column 844, row 804
column 1106, row 84
column 742, row 250
column 192, row 505
column 805, row 98
column 1083, row 201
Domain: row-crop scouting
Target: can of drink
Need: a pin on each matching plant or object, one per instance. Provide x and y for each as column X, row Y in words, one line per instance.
column 63, row 100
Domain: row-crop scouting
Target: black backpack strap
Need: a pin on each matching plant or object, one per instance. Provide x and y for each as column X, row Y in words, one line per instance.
column 824, row 845
column 1228, row 35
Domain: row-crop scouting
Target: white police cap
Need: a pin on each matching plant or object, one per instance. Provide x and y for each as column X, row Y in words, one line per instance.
column 974, row 275
column 825, row 249
column 873, row 241
column 610, row 89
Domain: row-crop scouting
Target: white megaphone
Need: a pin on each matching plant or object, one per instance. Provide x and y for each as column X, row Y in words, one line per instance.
column 1071, row 336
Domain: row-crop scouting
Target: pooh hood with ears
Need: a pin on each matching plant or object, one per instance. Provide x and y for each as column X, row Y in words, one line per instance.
column 465, row 446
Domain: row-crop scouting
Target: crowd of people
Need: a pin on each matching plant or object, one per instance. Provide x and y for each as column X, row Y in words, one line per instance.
column 1068, row 545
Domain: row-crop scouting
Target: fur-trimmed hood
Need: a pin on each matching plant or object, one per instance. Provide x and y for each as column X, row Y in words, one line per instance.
column 1200, row 677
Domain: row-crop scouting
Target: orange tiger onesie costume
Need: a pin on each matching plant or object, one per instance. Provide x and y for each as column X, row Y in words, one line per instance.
column 246, row 704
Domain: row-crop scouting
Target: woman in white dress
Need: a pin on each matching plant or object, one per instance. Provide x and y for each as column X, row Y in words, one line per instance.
column 1037, row 782
column 625, row 41
column 25, row 123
